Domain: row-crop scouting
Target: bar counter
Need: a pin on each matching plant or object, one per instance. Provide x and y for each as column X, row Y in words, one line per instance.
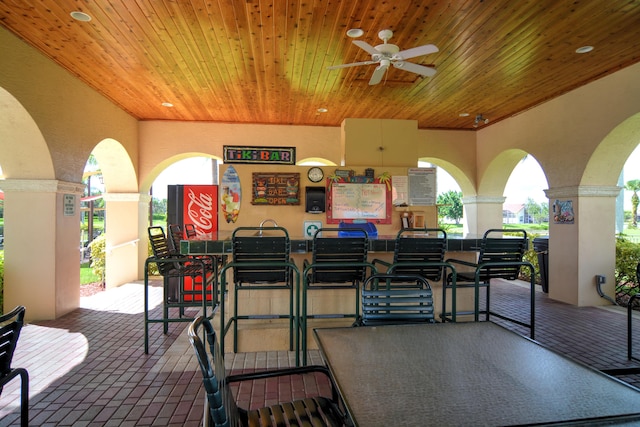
column 221, row 244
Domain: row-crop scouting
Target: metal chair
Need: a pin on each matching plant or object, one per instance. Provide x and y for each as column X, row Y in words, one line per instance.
column 384, row 303
column 221, row 405
column 500, row 257
column 261, row 261
column 190, row 231
column 337, row 263
column 10, row 327
column 187, row 282
column 418, row 251
column 176, row 234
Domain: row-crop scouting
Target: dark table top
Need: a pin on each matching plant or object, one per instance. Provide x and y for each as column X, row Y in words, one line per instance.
column 464, row 374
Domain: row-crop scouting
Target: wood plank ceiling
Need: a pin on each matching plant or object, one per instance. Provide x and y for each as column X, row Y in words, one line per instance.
column 265, row 61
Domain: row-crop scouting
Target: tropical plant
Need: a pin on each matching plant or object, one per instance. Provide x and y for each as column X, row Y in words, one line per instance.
column 450, row 205
column 634, row 185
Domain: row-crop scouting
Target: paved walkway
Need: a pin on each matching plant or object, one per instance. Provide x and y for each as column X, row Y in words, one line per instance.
column 88, row 368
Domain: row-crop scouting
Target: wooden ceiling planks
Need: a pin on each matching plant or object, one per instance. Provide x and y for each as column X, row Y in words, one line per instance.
column 264, row 61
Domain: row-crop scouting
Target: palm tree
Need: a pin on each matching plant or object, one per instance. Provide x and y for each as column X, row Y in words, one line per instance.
column 634, row 185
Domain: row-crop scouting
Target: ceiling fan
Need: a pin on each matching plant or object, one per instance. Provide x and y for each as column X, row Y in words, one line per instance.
column 387, row 54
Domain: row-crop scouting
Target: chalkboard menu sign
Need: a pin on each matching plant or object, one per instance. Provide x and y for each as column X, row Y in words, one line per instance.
column 359, row 198
column 276, row 189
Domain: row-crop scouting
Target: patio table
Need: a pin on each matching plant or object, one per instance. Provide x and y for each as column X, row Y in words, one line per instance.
column 475, row 373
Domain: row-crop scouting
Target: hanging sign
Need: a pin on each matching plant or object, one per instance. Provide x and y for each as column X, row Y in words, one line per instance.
column 263, row 155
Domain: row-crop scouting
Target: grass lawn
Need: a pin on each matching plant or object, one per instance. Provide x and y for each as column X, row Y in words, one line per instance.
column 86, row 274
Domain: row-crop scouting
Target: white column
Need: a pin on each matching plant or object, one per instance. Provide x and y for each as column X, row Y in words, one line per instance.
column 581, row 250
column 42, row 246
column 482, row 213
column 123, row 244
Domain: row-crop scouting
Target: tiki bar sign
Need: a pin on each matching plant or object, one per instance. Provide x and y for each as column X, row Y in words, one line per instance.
column 268, row 155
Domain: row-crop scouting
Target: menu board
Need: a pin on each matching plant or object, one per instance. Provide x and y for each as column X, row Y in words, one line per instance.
column 422, row 186
column 349, row 201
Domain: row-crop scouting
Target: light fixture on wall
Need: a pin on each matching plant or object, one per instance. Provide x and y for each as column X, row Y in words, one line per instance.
column 480, row 119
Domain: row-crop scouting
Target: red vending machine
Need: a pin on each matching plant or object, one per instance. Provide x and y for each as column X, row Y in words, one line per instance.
column 196, row 205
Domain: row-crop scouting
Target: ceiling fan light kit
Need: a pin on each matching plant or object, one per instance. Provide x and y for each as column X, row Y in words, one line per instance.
column 387, row 54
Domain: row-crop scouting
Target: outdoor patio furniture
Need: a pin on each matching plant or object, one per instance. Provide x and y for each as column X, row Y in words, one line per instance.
column 222, row 408
column 500, row 256
column 261, row 261
column 176, row 234
column 10, row 326
column 419, row 251
column 187, row 282
column 337, row 263
column 385, row 302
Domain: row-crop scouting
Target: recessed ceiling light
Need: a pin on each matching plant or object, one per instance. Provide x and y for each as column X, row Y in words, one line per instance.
column 355, row 32
column 80, row 16
column 167, row 104
column 322, row 110
column 464, row 114
column 584, row 49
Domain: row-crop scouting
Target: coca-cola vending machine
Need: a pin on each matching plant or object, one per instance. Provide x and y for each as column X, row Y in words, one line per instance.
column 196, row 205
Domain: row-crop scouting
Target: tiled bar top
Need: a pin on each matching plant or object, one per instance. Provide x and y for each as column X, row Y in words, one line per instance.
column 381, row 243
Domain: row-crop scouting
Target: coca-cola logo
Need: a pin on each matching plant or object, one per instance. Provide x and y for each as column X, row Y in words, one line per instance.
column 200, row 211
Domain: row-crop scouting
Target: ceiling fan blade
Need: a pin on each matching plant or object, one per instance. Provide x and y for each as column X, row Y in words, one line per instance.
column 415, row 68
column 377, row 75
column 353, row 64
column 416, row 51
column 366, row 46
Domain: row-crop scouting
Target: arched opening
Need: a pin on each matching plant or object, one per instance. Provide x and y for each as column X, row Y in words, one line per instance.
column 525, row 202
column 186, row 169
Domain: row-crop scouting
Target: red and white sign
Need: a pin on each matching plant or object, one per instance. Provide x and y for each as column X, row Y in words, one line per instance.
column 200, row 208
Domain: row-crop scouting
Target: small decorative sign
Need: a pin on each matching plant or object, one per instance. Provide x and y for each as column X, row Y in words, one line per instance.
column 264, row 155
column 69, row 204
column 276, row 189
column 563, row 212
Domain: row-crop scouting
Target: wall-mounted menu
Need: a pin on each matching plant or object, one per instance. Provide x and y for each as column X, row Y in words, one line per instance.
column 357, row 201
column 422, row 186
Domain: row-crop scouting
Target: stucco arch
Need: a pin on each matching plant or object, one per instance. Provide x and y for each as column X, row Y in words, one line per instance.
column 148, row 180
column 495, row 177
column 316, row 160
column 463, row 180
column 25, row 154
column 608, row 159
column 116, row 166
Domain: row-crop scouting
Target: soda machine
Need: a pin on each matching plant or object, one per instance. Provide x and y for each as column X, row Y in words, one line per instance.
column 196, row 205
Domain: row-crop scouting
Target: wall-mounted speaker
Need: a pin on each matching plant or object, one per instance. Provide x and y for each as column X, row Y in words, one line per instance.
column 315, row 199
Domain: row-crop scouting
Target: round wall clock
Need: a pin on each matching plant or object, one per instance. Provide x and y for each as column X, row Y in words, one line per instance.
column 315, row 174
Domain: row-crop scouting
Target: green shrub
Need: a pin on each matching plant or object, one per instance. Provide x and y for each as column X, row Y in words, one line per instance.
column 627, row 258
column 98, row 255
column 531, row 256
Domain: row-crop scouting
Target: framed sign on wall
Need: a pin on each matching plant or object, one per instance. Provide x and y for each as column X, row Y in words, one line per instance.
column 359, row 198
column 275, row 189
